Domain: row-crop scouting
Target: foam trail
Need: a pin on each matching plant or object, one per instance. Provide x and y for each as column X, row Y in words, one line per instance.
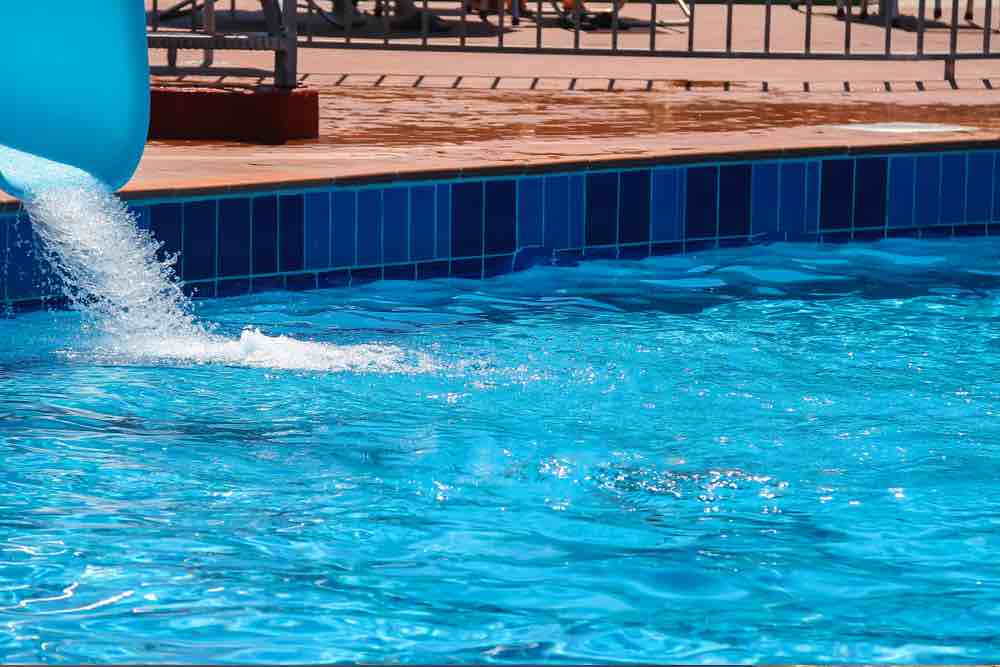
column 133, row 302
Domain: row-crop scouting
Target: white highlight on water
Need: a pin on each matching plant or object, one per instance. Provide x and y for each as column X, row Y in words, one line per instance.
column 134, row 305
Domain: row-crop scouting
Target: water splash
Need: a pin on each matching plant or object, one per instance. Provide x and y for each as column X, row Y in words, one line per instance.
column 132, row 301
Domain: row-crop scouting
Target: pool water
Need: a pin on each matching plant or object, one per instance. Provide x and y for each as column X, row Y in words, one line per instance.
column 770, row 454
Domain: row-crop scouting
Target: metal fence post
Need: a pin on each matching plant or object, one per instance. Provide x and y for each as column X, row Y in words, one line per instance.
column 286, row 59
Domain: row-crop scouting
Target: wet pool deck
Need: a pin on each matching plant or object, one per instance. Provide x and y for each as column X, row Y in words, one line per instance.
column 398, row 114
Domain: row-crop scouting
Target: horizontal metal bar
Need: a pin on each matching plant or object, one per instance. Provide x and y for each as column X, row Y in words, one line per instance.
column 673, row 53
column 163, row 70
column 220, row 42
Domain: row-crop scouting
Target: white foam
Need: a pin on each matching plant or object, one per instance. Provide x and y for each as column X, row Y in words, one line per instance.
column 133, row 303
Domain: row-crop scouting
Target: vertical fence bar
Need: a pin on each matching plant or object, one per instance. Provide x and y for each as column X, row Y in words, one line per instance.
column 767, row 26
column 729, row 26
column 232, row 10
column 310, row 10
column 987, row 23
column 953, row 37
column 385, row 21
column 921, row 25
column 614, row 25
column 538, row 25
column 576, row 23
column 286, row 60
column 847, row 26
column 809, row 26
column 949, row 63
column 155, row 20
column 348, row 21
column 652, row 26
column 500, row 22
column 887, row 8
column 424, row 20
column 465, row 22
column 691, row 6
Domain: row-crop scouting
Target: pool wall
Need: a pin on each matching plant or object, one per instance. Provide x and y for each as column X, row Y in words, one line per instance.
column 476, row 225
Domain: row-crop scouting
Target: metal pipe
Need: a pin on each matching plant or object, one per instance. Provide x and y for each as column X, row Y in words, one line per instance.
column 767, row 26
column 809, row 25
column 691, row 6
column 922, row 25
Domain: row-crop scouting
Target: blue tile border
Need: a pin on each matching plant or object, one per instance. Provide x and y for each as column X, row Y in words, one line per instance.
column 480, row 226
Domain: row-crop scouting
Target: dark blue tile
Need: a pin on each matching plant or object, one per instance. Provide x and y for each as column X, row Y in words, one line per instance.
column 836, row 237
column 396, row 224
column 529, row 212
column 576, row 211
column 141, row 215
column 792, row 211
column 734, row 242
column 529, row 257
column 734, row 199
column 764, row 219
column 443, row 215
column 953, row 188
column 498, row 266
column 812, row 197
column 936, row 232
column 901, row 173
column 428, row 270
column 265, row 235
column 971, row 229
column 339, row 278
column 343, row 228
column 202, row 290
column 700, row 245
column 298, row 282
column 369, row 227
column 869, row 192
column 467, row 268
column 640, row 251
column 569, row 257
column 5, row 222
column 556, row 212
column 165, row 221
column 927, row 204
column 292, row 232
column 317, row 230
column 602, row 208
column 501, row 216
column 422, row 223
column 199, row 240
column 701, row 202
column 601, row 252
column 267, row 284
column 979, row 200
column 666, row 213
column 236, row 287
column 366, row 275
column 996, row 188
column 23, row 262
column 234, row 237
column 837, row 195
column 400, row 272
column 467, row 219
column 872, row 234
column 633, row 206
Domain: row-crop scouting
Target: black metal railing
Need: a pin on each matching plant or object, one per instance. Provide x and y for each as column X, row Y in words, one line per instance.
column 770, row 29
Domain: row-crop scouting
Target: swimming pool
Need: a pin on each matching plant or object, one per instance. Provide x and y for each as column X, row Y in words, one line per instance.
column 776, row 453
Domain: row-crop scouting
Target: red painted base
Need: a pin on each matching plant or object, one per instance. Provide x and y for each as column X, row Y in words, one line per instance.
column 262, row 115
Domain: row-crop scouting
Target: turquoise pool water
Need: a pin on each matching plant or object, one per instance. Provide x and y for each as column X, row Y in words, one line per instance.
column 770, row 454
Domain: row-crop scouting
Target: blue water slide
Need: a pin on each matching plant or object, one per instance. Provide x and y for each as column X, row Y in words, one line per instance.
column 74, row 89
